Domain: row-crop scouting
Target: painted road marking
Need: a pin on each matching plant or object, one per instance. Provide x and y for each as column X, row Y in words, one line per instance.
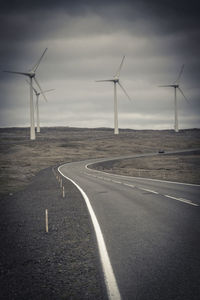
column 150, row 191
column 139, row 178
column 115, row 181
column 147, row 190
column 182, row 200
column 108, row 179
column 110, row 281
column 130, row 185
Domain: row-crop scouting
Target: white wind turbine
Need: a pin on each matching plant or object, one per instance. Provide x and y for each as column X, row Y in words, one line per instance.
column 31, row 74
column 37, row 105
column 176, row 86
column 115, row 80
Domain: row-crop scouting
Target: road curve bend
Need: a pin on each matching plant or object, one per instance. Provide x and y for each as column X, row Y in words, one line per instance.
column 148, row 231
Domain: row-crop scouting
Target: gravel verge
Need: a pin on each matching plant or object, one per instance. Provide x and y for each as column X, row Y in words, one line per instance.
column 61, row 264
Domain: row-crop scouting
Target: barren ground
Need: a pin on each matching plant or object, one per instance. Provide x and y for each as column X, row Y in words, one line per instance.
column 64, row 264
column 21, row 158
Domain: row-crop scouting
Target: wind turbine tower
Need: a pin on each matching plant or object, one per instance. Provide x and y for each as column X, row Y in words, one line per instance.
column 176, row 86
column 116, row 81
column 32, row 76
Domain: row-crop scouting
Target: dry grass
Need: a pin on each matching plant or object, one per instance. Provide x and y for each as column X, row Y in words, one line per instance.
column 21, row 158
column 181, row 168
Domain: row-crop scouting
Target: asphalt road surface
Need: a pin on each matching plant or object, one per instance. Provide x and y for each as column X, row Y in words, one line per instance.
column 151, row 231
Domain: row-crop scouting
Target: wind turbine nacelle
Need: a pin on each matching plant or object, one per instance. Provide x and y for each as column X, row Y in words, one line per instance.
column 32, row 74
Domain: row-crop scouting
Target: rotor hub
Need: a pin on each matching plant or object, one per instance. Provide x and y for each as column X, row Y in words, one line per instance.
column 32, row 74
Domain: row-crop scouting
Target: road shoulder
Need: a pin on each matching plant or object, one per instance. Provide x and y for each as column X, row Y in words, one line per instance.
column 61, row 264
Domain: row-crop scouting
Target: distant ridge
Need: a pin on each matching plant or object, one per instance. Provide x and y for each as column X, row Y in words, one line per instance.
column 92, row 128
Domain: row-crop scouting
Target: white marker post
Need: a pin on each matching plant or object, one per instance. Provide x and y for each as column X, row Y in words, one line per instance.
column 61, row 182
column 46, row 220
column 63, row 192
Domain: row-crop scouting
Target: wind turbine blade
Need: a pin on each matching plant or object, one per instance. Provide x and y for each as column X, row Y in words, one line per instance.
column 20, row 73
column 35, row 91
column 169, row 85
column 119, row 69
column 40, row 89
column 180, row 90
column 46, row 91
column 104, row 80
column 37, row 64
column 123, row 89
column 179, row 75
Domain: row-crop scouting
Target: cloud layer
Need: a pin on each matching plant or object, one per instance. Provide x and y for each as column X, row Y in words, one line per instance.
column 86, row 41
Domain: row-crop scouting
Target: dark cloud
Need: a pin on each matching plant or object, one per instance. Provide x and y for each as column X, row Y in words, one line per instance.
column 86, row 40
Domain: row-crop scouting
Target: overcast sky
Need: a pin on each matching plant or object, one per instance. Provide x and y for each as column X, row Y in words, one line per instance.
column 86, row 41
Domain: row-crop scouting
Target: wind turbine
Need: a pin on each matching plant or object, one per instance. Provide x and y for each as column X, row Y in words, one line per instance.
column 32, row 76
column 176, row 86
column 115, row 80
column 37, row 105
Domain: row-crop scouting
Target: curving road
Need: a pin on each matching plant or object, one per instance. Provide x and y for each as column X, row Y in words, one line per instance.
column 151, row 230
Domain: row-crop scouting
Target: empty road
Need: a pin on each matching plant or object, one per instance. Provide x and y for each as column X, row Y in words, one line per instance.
column 151, row 231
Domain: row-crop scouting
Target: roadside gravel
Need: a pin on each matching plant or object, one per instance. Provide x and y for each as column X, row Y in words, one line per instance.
column 61, row 264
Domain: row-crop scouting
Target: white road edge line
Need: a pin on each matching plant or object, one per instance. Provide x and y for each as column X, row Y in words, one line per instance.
column 109, row 277
column 182, row 200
